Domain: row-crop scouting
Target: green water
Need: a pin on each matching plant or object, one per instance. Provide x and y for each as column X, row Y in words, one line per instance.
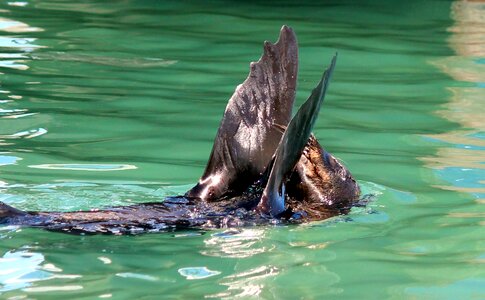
column 115, row 102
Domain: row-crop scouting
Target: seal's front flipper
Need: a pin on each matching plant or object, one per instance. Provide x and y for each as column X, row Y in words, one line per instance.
column 251, row 127
column 291, row 147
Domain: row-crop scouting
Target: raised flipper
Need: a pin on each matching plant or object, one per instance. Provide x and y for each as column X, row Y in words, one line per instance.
column 253, row 122
column 291, row 147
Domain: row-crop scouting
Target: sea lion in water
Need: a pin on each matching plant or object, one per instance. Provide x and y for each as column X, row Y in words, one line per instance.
column 264, row 167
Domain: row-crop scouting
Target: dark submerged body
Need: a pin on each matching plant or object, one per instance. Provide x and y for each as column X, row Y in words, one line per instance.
column 172, row 214
column 264, row 168
column 180, row 212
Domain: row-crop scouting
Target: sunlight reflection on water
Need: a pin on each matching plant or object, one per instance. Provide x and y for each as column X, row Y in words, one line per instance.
column 13, row 26
column 20, row 269
column 26, row 134
column 137, row 276
column 24, row 44
column 8, row 160
column 193, row 273
column 248, row 283
column 236, row 243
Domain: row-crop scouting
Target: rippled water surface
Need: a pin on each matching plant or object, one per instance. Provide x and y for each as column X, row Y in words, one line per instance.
column 115, row 102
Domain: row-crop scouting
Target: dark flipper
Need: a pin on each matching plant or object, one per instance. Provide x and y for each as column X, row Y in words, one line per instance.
column 291, row 147
column 253, row 122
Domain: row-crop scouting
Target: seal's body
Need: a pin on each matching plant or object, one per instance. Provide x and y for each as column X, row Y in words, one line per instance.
column 264, row 167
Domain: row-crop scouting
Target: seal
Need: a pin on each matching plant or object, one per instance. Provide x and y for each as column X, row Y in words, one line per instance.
column 265, row 167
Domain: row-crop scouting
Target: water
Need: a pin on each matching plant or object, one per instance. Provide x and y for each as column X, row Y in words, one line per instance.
column 111, row 103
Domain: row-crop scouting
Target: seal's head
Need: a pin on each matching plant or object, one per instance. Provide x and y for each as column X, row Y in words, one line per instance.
column 320, row 181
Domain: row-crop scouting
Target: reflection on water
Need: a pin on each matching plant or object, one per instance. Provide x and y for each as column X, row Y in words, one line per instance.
column 105, row 60
column 8, row 160
column 26, row 134
column 19, row 269
column 22, row 268
column 137, row 276
column 462, row 162
column 26, row 45
column 241, row 244
column 468, row 33
column 236, row 243
column 193, row 273
column 13, row 26
column 16, row 48
column 247, row 283
column 84, row 167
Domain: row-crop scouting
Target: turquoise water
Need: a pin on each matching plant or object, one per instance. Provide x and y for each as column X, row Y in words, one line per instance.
column 112, row 103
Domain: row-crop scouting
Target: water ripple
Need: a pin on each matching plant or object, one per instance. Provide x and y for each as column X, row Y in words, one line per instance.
column 20, row 269
column 460, row 161
column 43, row 289
column 13, row 26
column 26, row 134
column 236, row 243
column 137, row 276
column 148, row 62
column 75, row 195
column 25, row 44
column 248, row 283
column 18, row 3
column 193, row 273
column 85, row 167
